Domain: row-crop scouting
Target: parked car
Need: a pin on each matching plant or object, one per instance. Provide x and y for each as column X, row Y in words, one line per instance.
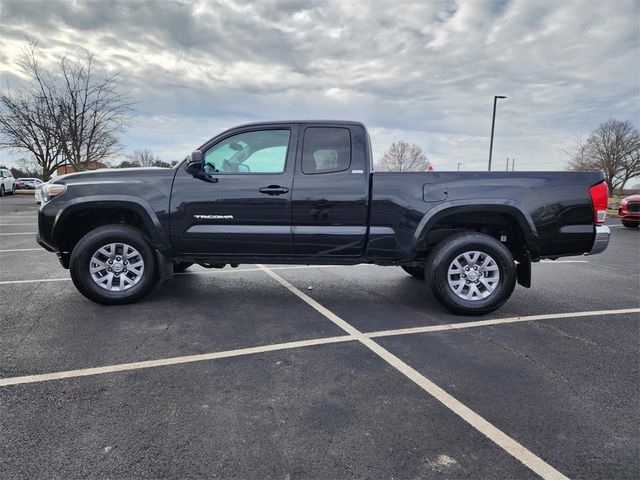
column 7, row 182
column 27, row 183
column 305, row 193
column 37, row 195
column 629, row 211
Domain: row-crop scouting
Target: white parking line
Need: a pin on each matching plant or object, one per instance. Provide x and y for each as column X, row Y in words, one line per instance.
column 564, row 261
column 18, row 282
column 24, row 250
column 282, row 346
column 122, row 367
column 507, row 443
column 20, row 233
column 17, row 224
column 498, row 321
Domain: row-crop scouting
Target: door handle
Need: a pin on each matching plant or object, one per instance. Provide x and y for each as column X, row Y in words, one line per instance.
column 274, row 190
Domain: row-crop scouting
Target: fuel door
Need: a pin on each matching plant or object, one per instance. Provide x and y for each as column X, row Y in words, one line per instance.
column 434, row 192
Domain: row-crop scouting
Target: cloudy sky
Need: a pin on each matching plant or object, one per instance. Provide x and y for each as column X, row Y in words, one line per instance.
column 423, row 71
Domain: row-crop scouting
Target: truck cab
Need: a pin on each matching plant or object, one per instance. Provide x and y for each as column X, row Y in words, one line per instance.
column 285, row 189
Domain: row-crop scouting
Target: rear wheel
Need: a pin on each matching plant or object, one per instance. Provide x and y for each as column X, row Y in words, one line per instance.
column 415, row 271
column 113, row 265
column 630, row 224
column 471, row 273
column 1, row 190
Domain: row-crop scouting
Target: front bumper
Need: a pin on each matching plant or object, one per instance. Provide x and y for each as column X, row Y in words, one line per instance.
column 43, row 244
column 601, row 241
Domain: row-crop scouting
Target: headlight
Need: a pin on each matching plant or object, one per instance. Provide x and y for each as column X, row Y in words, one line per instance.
column 50, row 190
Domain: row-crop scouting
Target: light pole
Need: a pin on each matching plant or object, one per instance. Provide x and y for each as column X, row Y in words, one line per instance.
column 459, row 163
column 493, row 124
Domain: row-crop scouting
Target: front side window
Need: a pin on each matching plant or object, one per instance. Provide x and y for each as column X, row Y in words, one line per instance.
column 263, row 151
column 326, row 150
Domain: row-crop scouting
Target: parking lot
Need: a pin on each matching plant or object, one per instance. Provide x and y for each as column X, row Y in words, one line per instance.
column 317, row 372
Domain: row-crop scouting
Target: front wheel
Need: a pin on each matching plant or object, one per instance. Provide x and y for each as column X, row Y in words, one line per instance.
column 471, row 273
column 630, row 224
column 1, row 190
column 113, row 265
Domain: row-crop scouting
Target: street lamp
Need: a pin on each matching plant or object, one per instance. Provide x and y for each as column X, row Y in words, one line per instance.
column 459, row 163
column 493, row 124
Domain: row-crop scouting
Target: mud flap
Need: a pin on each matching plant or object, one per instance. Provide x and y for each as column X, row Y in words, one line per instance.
column 165, row 268
column 523, row 272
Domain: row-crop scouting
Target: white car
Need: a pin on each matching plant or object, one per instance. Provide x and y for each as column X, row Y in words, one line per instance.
column 8, row 183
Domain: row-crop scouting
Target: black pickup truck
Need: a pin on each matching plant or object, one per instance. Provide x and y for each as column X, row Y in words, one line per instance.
column 305, row 192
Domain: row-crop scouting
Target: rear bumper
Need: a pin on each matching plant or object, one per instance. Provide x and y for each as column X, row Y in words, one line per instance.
column 601, row 241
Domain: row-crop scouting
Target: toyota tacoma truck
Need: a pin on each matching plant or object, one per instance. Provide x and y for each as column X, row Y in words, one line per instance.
column 305, row 192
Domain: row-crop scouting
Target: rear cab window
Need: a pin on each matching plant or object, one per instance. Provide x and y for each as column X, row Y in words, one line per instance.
column 326, row 150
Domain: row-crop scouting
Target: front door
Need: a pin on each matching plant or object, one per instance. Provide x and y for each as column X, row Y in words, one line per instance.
column 245, row 207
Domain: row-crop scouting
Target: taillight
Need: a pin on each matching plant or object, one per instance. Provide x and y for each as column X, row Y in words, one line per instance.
column 599, row 198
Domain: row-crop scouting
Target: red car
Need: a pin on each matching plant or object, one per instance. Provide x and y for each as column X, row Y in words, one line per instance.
column 629, row 211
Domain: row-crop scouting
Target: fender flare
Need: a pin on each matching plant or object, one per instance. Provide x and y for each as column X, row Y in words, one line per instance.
column 135, row 204
column 509, row 207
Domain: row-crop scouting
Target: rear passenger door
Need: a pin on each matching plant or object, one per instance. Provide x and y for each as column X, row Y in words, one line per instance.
column 330, row 191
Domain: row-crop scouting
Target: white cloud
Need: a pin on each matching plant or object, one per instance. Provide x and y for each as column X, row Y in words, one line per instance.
column 425, row 72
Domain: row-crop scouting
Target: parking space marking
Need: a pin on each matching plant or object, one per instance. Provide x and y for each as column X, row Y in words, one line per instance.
column 24, row 250
column 499, row 321
column 283, row 346
column 564, row 261
column 515, row 449
column 122, row 367
column 19, row 233
column 18, row 282
column 17, row 224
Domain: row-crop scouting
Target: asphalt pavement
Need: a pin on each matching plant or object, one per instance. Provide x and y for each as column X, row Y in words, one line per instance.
column 317, row 372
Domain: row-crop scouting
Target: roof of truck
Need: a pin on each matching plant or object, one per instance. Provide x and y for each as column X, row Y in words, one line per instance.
column 278, row 122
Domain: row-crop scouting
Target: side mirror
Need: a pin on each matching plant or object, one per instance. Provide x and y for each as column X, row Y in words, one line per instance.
column 196, row 163
column 195, row 167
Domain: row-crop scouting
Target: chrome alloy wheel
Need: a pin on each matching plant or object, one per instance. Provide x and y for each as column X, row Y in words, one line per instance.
column 116, row 267
column 473, row 275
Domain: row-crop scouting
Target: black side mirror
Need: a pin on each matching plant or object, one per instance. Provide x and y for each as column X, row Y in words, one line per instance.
column 195, row 167
column 195, row 164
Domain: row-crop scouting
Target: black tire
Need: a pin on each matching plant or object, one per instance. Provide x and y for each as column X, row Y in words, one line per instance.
column 1, row 190
column 13, row 189
column 417, row 271
column 442, row 256
column 630, row 224
column 181, row 266
column 90, row 243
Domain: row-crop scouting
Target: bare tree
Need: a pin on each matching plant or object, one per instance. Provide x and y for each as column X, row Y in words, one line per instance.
column 403, row 157
column 143, row 158
column 612, row 148
column 94, row 113
column 72, row 110
column 26, row 124
column 30, row 167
